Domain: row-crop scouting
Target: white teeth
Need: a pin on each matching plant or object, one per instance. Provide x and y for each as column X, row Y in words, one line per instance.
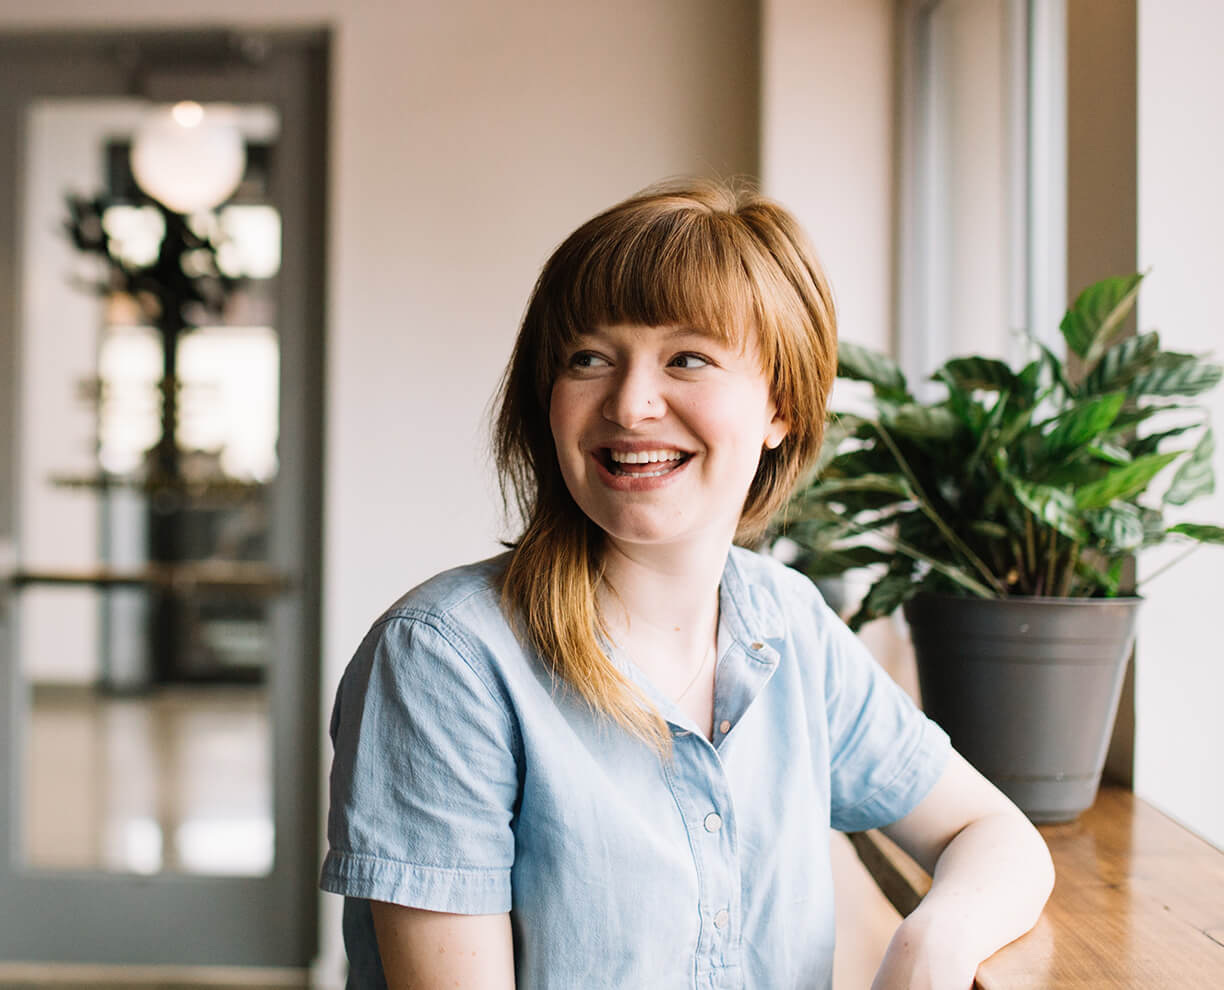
column 645, row 456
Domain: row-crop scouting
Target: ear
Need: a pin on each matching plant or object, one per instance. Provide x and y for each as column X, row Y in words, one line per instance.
column 776, row 432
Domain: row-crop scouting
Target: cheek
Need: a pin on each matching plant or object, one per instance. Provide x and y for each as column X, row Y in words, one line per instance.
column 558, row 414
column 565, row 421
column 739, row 422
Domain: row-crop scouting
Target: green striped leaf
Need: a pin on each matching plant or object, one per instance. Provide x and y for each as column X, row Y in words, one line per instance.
column 970, row 374
column 1082, row 423
column 1052, row 506
column 1200, row 532
column 921, row 422
column 865, row 365
column 884, row 597
column 1150, row 443
column 1153, row 526
column 859, row 461
column 1118, row 528
column 1125, row 481
column 1030, row 378
column 1176, row 374
column 1098, row 312
column 989, row 436
column 1110, row 453
column 891, row 484
column 1053, row 363
column 826, row 563
column 1120, row 364
column 1195, row 475
column 1072, row 473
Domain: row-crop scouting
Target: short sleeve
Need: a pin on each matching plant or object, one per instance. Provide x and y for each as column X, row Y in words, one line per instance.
column 885, row 755
column 424, row 779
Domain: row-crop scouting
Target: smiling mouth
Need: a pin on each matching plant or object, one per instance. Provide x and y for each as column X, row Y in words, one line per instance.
column 642, row 463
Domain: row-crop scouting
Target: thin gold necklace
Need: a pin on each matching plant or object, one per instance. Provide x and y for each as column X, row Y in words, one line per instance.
column 704, row 660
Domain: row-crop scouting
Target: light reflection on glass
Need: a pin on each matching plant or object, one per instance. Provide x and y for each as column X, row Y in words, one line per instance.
column 134, row 846
column 252, row 241
column 230, row 379
column 235, row 847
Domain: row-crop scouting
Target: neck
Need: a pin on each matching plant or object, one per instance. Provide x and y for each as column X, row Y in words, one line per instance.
column 664, row 603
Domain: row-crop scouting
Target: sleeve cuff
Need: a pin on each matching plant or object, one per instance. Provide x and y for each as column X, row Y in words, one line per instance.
column 457, row 891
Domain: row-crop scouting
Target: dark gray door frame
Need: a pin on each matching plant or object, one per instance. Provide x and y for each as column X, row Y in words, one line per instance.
column 171, row 919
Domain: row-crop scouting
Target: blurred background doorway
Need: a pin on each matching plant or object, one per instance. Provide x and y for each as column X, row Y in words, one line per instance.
column 161, row 205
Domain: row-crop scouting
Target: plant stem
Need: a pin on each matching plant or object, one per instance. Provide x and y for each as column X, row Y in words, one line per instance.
column 1030, row 551
column 1069, row 575
column 925, row 505
column 1051, row 563
column 1164, row 567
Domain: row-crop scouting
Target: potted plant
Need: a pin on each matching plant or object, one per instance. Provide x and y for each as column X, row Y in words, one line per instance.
column 1001, row 516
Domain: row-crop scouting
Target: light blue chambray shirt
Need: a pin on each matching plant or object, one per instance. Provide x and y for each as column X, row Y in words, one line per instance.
column 465, row 781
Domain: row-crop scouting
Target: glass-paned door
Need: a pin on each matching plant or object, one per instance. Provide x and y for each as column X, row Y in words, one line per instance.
column 160, row 498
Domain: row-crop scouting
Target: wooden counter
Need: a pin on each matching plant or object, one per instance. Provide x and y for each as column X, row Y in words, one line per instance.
column 1138, row 903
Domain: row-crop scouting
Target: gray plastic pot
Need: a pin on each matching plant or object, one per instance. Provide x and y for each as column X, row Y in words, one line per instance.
column 1027, row 688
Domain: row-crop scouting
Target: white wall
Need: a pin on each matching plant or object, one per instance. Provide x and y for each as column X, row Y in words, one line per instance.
column 827, row 145
column 1179, row 734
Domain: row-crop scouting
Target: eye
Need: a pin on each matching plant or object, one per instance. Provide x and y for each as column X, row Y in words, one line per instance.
column 688, row 361
column 587, row 359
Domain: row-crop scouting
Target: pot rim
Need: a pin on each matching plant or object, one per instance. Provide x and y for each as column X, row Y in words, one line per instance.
column 1077, row 601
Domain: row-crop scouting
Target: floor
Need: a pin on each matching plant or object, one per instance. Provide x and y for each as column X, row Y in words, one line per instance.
column 112, row 980
column 178, row 780
column 138, row 983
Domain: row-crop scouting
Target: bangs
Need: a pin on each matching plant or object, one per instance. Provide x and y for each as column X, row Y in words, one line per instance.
column 654, row 266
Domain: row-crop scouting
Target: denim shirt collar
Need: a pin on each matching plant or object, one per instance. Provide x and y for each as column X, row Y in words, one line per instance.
column 750, row 633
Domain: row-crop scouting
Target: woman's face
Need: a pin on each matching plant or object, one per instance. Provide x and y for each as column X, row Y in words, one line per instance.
column 659, row 431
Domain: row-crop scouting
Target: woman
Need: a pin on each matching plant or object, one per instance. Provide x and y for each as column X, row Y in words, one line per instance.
column 611, row 757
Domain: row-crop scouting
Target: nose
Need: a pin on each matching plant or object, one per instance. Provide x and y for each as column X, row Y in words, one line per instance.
column 634, row 397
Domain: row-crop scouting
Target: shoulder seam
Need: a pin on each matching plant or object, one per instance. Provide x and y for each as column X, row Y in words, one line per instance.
column 455, row 638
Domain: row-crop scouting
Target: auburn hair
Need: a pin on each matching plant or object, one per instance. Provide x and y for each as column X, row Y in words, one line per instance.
column 708, row 255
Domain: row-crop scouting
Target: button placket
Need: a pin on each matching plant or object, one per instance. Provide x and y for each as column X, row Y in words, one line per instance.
column 702, row 792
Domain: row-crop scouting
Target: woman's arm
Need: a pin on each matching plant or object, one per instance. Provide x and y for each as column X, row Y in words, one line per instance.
column 430, row 950
column 991, row 875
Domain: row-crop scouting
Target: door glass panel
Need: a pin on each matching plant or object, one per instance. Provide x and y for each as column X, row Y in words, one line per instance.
column 148, row 424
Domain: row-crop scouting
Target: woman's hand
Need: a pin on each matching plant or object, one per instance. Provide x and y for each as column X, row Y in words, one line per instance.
column 429, row 950
column 990, row 877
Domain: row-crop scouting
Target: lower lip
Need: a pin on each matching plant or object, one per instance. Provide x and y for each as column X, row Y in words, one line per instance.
column 639, row 482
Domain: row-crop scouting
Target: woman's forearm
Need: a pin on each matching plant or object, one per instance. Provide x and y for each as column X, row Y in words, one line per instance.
column 991, row 875
column 988, row 889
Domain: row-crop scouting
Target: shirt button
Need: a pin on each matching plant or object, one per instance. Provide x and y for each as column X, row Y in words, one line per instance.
column 758, row 646
column 713, row 822
column 724, row 727
column 722, row 919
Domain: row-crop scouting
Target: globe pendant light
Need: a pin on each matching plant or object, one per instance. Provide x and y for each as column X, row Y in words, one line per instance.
column 188, row 159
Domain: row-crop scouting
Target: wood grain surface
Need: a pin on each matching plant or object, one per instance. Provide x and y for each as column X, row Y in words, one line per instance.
column 1138, row 904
